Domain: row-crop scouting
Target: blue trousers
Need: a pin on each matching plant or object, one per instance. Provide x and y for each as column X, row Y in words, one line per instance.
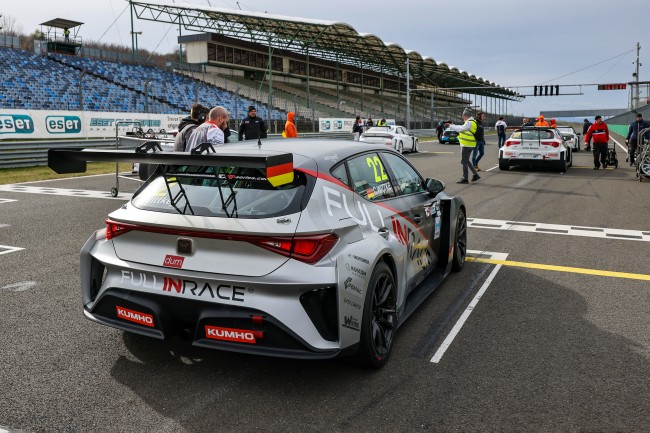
column 478, row 152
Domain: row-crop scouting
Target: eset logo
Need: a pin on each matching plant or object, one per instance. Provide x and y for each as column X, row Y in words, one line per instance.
column 173, row 261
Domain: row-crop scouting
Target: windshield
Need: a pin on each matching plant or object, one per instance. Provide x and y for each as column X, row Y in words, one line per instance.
column 221, row 192
column 380, row 130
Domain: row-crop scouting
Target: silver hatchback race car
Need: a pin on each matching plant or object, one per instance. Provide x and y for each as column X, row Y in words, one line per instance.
column 302, row 249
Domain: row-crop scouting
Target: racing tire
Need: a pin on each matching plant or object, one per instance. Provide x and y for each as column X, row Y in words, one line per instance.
column 460, row 242
column 400, row 148
column 416, row 146
column 504, row 165
column 379, row 320
column 570, row 159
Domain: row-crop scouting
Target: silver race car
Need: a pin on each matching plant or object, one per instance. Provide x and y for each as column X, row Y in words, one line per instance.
column 300, row 248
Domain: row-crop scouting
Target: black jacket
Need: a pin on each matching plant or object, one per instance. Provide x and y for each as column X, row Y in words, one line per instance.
column 636, row 127
column 480, row 131
column 252, row 128
column 186, row 121
column 585, row 127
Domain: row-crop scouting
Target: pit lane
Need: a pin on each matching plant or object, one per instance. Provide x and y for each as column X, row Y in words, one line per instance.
column 541, row 350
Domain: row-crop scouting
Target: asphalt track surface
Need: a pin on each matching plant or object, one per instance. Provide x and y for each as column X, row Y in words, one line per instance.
column 542, row 331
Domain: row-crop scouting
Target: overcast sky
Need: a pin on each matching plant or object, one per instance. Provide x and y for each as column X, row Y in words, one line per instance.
column 509, row 42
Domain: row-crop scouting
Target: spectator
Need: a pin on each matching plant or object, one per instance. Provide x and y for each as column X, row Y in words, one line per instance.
column 585, row 128
column 290, row 130
column 479, row 150
column 553, row 123
column 252, row 127
column 541, row 122
column 357, row 128
column 369, row 123
column 600, row 133
column 66, row 34
column 439, row 130
column 188, row 124
column 632, row 138
column 211, row 131
column 527, row 122
column 501, row 126
column 467, row 144
column 381, row 122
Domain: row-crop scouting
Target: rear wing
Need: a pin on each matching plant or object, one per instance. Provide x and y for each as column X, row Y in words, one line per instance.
column 277, row 167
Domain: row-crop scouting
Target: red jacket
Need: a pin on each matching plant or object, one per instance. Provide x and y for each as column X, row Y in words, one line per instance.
column 599, row 133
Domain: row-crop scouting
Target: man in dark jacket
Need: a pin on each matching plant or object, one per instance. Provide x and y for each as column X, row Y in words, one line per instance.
column 585, row 127
column 252, row 127
column 632, row 138
column 188, row 125
column 600, row 133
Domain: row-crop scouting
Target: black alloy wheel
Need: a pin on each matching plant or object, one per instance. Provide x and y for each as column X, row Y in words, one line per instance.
column 379, row 318
column 460, row 243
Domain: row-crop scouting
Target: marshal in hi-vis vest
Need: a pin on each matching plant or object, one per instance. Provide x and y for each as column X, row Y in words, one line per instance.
column 467, row 138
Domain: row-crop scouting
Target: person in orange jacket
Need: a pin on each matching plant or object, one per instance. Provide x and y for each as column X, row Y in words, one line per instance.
column 541, row 121
column 553, row 123
column 290, row 130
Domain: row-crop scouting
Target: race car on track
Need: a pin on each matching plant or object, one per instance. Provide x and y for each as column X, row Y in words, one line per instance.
column 532, row 146
column 394, row 136
column 571, row 137
column 302, row 249
column 449, row 137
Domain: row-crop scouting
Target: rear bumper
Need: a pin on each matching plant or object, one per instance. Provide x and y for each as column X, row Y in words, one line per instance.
column 202, row 324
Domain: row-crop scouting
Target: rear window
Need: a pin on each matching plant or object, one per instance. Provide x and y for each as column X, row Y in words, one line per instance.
column 533, row 134
column 231, row 192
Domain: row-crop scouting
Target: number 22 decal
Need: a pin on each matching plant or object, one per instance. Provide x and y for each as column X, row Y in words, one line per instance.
column 375, row 163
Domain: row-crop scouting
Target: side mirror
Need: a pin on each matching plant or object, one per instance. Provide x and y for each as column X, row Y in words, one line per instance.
column 434, row 186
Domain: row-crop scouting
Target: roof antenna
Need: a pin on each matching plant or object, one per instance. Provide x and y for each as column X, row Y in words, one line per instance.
column 238, row 5
column 259, row 136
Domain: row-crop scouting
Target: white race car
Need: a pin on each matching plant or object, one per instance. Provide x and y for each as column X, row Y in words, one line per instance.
column 394, row 136
column 571, row 137
column 536, row 147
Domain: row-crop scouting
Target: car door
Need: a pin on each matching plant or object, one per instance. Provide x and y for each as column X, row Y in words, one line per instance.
column 410, row 139
column 419, row 227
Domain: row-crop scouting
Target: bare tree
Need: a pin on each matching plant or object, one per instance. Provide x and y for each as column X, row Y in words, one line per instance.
column 9, row 25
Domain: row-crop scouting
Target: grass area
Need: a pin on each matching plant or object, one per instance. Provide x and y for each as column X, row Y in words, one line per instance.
column 30, row 174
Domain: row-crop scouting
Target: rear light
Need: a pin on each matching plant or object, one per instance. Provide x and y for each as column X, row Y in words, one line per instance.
column 114, row 229
column 512, row 142
column 307, row 249
column 551, row 143
column 389, row 142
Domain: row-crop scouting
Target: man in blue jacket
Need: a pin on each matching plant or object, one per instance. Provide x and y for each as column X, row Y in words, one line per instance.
column 632, row 138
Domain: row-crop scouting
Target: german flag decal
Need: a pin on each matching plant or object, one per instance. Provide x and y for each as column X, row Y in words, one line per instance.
column 279, row 169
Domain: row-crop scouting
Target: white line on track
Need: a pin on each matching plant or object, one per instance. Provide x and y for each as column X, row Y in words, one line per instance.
column 463, row 318
column 69, row 178
column 6, row 200
column 7, row 249
column 557, row 229
column 619, row 144
column 490, row 169
column 22, row 188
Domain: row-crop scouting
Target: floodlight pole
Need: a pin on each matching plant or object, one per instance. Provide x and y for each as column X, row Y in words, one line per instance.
column 408, row 94
column 146, row 94
column 132, row 33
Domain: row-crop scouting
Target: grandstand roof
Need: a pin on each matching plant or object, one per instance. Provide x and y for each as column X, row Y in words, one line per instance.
column 326, row 39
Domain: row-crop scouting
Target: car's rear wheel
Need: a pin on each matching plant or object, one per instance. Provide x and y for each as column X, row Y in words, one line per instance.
column 379, row 318
column 415, row 146
column 504, row 165
column 400, row 147
column 460, row 242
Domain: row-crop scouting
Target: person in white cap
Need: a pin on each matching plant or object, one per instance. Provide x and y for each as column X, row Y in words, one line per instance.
column 467, row 141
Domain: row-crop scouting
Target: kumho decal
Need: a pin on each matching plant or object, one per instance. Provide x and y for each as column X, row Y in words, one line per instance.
column 134, row 316
column 16, row 124
column 230, row 334
column 183, row 286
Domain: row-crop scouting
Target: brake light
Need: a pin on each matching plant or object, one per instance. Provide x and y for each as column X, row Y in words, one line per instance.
column 551, row 143
column 308, row 249
column 512, row 142
column 114, row 229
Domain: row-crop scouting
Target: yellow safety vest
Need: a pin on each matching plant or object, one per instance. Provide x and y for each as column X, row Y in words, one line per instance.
column 467, row 138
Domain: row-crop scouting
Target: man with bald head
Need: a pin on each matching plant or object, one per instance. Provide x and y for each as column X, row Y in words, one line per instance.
column 211, row 131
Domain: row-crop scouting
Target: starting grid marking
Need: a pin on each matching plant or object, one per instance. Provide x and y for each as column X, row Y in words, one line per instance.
column 557, row 229
column 6, row 200
column 5, row 249
column 62, row 191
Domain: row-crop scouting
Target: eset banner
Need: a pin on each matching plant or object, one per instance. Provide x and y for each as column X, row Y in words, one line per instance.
column 339, row 124
column 42, row 124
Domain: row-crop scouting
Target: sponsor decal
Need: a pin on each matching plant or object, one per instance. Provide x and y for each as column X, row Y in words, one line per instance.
column 352, row 303
column 361, row 259
column 231, row 334
column 436, row 233
column 16, row 124
column 334, row 199
column 182, row 286
column 63, row 124
column 184, row 246
column 357, row 271
column 350, row 286
column 134, row 316
column 173, row 261
column 331, row 158
column 351, row 322
column 416, row 245
column 101, row 121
